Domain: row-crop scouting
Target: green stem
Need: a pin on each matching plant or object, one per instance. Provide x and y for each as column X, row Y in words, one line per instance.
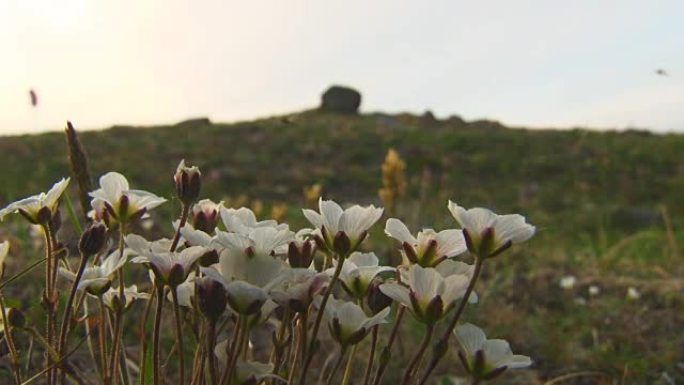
column 143, row 337
column 155, row 335
column 183, row 219
column 338, row 363
column 347, row 369
column 102, row 335
column 49, row 298
column 371, row 356
column 179, row 334
column 66, row 320
column 430, row 328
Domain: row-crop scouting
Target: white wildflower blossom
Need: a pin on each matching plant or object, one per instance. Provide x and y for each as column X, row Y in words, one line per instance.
column 428, row 248
column 487, row 234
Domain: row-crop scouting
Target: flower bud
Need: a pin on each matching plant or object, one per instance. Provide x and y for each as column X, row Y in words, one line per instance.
column 188, row 183
column 56, row 221
column 93, row 239
column 44, row 216
column 301, row 255
column 209, row 258
column 176, row 276
column 376, row 299
column 434, row 310
column 212, row 298
column 16, row 318
column 205, row 216
column 341, row 244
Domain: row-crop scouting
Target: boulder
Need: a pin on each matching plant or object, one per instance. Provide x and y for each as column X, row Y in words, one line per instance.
column 341, row 99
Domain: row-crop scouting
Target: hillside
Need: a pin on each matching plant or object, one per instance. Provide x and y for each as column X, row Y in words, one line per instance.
column 575, row 180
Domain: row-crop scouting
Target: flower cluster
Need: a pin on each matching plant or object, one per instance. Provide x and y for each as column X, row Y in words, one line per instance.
column 230, row 277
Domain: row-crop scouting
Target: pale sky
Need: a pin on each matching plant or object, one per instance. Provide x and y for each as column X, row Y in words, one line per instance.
column 535, row 63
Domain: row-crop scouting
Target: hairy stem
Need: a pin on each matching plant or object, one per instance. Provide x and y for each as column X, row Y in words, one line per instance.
column 179, row 334
column 371, row 355
column 211, row 343
column 183, row 219
column 155, row 335
column 388, row 348
column 143, row 336
column 66, row 320
column 419, row 354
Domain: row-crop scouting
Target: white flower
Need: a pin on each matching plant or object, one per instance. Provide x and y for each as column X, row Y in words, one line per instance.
column 242, row 220
column 633, row 294
column 251, row 257
column 358, row 271
column 171, row 268
column 4, row 251
column 594, row 290
column 347, row 227
column 429, row 248
column 195, row 237
column 567, row 282
column 487, row 234
column 348, row 323
column 429, row 295
column 31, row 207
column 243, row 297
column 111, row 297
column 485, row 359
column 97, row 279
column 116, row 199
column 298, row 288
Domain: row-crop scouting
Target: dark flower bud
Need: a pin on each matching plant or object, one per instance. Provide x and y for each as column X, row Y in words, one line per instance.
column 188, row 183
column 486, row 243
column 209, row 258
column 16, row 318
column 434, row 310
column 124, row 204
column 342, row 244
column 410, row 252
column 212, row 298
column 205, row 216
column 356, row 337
column 56, row 221
column 44, row 216
column 301, row 255
column 93, row 239
column 376, row 299
column 469, row 242
column 176, row 276
column 430, row 254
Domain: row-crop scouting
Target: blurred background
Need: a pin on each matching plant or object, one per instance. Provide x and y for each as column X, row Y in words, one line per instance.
column 609, row 64
column 568, row 113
